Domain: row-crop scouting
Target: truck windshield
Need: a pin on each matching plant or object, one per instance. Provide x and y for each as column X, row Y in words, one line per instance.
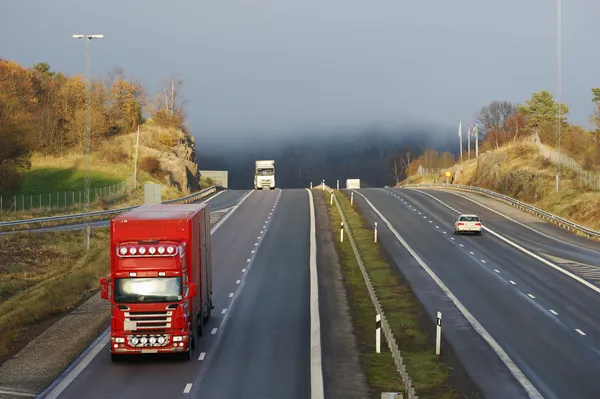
column 265, row 172
column 152, row 289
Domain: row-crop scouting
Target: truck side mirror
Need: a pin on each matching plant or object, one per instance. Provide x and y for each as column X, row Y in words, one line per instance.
column 193, row 290
column 104, row 288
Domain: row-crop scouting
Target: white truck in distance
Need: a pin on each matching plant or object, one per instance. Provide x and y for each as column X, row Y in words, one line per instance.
column 352, row 183
column 264, row 175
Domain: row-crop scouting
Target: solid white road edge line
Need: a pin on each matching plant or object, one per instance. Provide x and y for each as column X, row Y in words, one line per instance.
column 69, row 378
column 512, row 367
column 316, row 366
column 526, row 251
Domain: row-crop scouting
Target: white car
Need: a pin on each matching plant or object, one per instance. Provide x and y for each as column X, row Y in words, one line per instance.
column 467, row 223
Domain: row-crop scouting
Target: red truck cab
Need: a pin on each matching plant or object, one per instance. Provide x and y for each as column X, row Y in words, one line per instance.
column 160, row 281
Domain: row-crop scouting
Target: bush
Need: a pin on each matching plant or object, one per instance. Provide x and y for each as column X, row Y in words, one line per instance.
column 151, row 165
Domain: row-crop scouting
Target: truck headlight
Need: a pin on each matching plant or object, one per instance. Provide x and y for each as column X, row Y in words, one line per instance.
column 120, row 340
column 177, row 339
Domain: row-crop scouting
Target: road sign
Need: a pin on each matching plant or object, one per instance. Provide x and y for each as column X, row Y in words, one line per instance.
column 448, row 173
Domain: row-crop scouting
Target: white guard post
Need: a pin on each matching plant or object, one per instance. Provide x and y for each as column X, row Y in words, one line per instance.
column 375, row 233
column 378, row 333
column 438, row 333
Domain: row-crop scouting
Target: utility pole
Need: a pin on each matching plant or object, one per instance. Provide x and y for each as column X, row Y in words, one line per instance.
column 559, row 81
column 88, row 127
column 137, row 151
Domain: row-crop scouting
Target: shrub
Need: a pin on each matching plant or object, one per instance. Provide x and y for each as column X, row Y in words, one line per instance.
column 151, row 165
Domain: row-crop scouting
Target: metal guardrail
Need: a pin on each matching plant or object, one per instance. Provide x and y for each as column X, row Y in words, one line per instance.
column 385, row 326
column 74, row 216
column 562, row 222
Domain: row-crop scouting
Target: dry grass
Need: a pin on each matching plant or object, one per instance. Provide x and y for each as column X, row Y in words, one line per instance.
column 404, row 312
column 517, row 170
column 43, row 275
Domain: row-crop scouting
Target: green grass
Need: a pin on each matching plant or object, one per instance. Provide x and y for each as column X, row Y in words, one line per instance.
column 43, row 275
column 52, row 180
column 403, row 310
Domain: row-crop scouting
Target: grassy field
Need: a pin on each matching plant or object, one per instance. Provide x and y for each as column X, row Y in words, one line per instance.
column 402, row 309
column 43, row 275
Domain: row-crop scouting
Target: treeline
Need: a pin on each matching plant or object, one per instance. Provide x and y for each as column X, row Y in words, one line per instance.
column 365, row 155
column 45, row 112
column 502, row 122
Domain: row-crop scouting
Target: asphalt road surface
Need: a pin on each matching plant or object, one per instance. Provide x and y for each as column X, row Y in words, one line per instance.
column 257, row 343
column 545, row 321
column 219, row 201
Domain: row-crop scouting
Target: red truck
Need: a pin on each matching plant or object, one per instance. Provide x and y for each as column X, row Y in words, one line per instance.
column 160, row 281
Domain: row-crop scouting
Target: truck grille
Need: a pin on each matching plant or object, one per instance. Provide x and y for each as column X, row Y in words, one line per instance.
column 144, row 321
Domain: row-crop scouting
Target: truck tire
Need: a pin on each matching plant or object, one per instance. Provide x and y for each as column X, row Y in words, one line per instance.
column 114, row 357
column 200, row 327
column 209, row 311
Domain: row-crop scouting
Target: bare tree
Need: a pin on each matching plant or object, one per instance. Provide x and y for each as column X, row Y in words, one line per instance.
column 399, row 163
column 495, row 115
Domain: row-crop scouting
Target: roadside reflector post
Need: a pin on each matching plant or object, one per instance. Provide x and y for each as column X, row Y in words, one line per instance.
column 311, row 185
column 378, row 333
column 331, row 198
column 352, row 198
column 342, row 232
column 338, row 184
column 375, row 233
column 438, row 333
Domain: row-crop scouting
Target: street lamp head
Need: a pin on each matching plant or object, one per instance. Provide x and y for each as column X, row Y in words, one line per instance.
column 88, row 36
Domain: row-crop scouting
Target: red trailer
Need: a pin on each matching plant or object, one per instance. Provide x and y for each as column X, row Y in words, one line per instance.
column 160, row 282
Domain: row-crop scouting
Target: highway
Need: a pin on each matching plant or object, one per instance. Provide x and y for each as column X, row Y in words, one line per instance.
column 539, row 329
column 221, row 200
column 257, row 343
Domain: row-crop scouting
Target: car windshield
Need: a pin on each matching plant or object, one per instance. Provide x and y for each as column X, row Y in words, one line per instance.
column 152, row 289
column 265, row 172
column 469, row 219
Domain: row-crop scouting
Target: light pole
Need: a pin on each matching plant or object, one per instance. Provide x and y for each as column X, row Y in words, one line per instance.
column 559, row 81
column 88, row 127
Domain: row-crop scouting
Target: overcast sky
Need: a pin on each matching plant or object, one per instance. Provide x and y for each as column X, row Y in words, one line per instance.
column 279, row 66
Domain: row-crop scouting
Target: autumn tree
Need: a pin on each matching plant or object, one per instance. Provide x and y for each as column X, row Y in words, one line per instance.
column 167, row 110
column 14, row 157
column 399, row 162
column 446, row 160
column 127, row 98
column 542, row 114
column 430, row 158
column 495, row 115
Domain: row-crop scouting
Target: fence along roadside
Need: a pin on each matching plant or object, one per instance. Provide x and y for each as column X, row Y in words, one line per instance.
column 73, row 217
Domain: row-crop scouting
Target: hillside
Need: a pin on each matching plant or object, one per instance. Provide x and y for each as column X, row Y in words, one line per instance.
column 42, row 125
column 519, row 170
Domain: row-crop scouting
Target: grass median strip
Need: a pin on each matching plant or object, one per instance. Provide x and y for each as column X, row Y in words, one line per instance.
column 43, row 275
column 404, row 312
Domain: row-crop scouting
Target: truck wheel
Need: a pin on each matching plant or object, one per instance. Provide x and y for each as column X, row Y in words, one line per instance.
column 200, row 327
column 209, row 311
column 114, row 357
column 193, row 339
